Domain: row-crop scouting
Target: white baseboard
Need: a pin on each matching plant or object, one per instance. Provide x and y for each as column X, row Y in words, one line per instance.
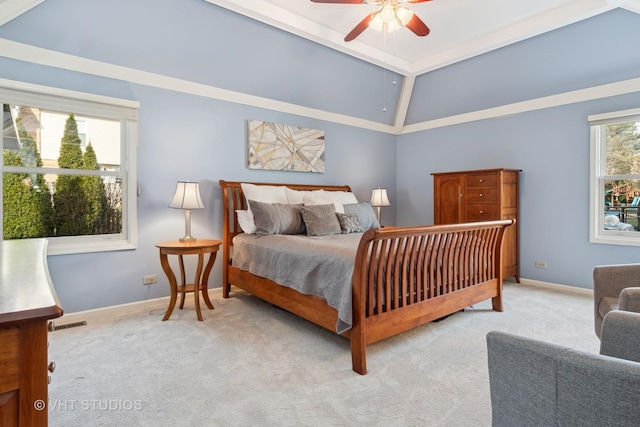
column 212, row 292
column 556, row 287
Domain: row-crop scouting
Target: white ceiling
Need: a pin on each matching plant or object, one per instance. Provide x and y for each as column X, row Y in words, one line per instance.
column 460, row 29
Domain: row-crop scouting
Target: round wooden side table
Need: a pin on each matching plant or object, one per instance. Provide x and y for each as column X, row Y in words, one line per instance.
column 198, row 247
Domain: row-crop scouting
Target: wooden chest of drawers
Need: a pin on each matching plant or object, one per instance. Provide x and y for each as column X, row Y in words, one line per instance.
column 481, row 195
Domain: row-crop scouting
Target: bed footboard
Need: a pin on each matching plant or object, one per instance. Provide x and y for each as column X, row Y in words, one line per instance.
column 402, row 277
column 406, row 277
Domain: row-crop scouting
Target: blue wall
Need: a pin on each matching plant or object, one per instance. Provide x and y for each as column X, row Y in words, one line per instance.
column 187, row 136
column 190, row 137
column 592, row 52
column 550, row 146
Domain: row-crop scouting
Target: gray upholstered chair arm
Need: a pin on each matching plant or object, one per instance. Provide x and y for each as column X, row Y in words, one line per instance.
column 610, row 280
column 630, row 300
column 620, row 335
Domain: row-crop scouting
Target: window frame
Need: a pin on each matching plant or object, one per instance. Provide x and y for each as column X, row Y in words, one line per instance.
column 86, row 104
column 597, row 232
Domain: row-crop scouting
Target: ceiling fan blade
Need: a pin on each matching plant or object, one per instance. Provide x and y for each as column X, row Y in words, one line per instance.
column 344, row 1
column 418, row 27
column 362, row 25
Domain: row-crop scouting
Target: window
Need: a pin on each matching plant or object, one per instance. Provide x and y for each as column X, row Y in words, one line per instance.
column 68, row 169
column 615, row 178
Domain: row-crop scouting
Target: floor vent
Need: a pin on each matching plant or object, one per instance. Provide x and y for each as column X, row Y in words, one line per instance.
column 69, row 325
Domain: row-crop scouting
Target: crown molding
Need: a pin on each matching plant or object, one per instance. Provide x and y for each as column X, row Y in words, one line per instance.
column 10, row 9
column 36, row 55
column 582, row 95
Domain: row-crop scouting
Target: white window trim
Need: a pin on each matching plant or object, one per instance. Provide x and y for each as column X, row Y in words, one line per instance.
column 85, row 104
column 597, row 233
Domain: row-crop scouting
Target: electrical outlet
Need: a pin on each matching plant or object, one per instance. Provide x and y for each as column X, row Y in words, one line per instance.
column 541, row 264
column 149, row 280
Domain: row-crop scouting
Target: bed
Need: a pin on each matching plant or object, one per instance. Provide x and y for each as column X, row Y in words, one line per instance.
column 400, row 277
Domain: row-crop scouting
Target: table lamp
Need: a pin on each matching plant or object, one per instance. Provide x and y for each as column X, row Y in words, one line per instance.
column 378, row 199
column 187, row 197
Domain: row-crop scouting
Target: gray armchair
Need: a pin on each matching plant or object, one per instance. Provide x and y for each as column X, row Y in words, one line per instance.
column 615, row 287
column 534, row 383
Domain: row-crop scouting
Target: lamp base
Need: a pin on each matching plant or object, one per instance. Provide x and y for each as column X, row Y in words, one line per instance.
column 378, row 215
column 187, row 227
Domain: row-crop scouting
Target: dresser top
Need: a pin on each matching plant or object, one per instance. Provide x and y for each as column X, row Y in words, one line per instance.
column 26, row 290
column 478, row 171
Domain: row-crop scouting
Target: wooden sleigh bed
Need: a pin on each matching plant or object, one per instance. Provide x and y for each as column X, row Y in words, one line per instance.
column 402, row 277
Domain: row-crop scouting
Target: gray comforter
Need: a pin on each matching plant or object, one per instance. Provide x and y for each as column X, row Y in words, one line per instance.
column 318, row 265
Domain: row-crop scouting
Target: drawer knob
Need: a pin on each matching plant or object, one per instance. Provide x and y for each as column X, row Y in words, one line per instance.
column 480, row 194
column 51, row 326
column 481, row 180
column 52, row 367
column 481, row 212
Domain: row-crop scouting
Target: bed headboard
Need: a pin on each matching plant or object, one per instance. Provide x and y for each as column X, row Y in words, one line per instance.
column 233, row 199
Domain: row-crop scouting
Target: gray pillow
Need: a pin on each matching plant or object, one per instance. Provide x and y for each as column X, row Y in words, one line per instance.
column 349, row 223
column 365, row 212
column 277, row 218
column 321, row 220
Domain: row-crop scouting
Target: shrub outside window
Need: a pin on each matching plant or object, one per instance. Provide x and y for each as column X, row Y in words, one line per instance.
column 68, row 169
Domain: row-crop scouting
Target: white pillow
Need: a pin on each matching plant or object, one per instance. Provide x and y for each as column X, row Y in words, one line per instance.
column 264, row 193
column 344, row 197
column 296, row 197
column 246, row 221
column 261, row 193
column 338, row 198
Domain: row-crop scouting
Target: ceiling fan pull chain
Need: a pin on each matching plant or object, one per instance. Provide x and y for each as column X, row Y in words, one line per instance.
column 384, row 91
column 384, row 77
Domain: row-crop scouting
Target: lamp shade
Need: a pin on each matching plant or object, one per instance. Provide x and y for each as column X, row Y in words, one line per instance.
column 379, row 197
column 187, row 196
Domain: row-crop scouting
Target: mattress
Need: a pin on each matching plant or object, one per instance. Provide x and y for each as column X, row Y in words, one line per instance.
column 313, row 265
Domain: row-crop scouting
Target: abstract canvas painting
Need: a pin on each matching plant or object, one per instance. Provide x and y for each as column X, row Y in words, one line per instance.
column 281, row 147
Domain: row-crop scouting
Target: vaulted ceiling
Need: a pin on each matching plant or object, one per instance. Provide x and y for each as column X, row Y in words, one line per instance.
column 460, row 29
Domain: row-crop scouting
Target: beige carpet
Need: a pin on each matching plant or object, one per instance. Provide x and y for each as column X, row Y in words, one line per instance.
column 251, row 364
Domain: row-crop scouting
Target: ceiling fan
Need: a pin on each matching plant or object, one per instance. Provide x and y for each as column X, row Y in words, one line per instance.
column 389, row 17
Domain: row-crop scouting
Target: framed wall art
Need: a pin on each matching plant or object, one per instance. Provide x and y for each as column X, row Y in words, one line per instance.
column 274, row 146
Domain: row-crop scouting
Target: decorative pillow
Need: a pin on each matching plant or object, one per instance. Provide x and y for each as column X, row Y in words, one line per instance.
column 344, row 197
column 321, row 220
column 263, row 193
column 338, row 198
column 365, row 213
column 245, row 220
column 277, row 218
column 297, row 196
column 349, row 223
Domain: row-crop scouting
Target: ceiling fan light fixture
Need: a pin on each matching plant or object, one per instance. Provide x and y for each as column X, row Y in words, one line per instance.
column 404, row 15
column 390, row 18
column 387, row 14
column 376, row 23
